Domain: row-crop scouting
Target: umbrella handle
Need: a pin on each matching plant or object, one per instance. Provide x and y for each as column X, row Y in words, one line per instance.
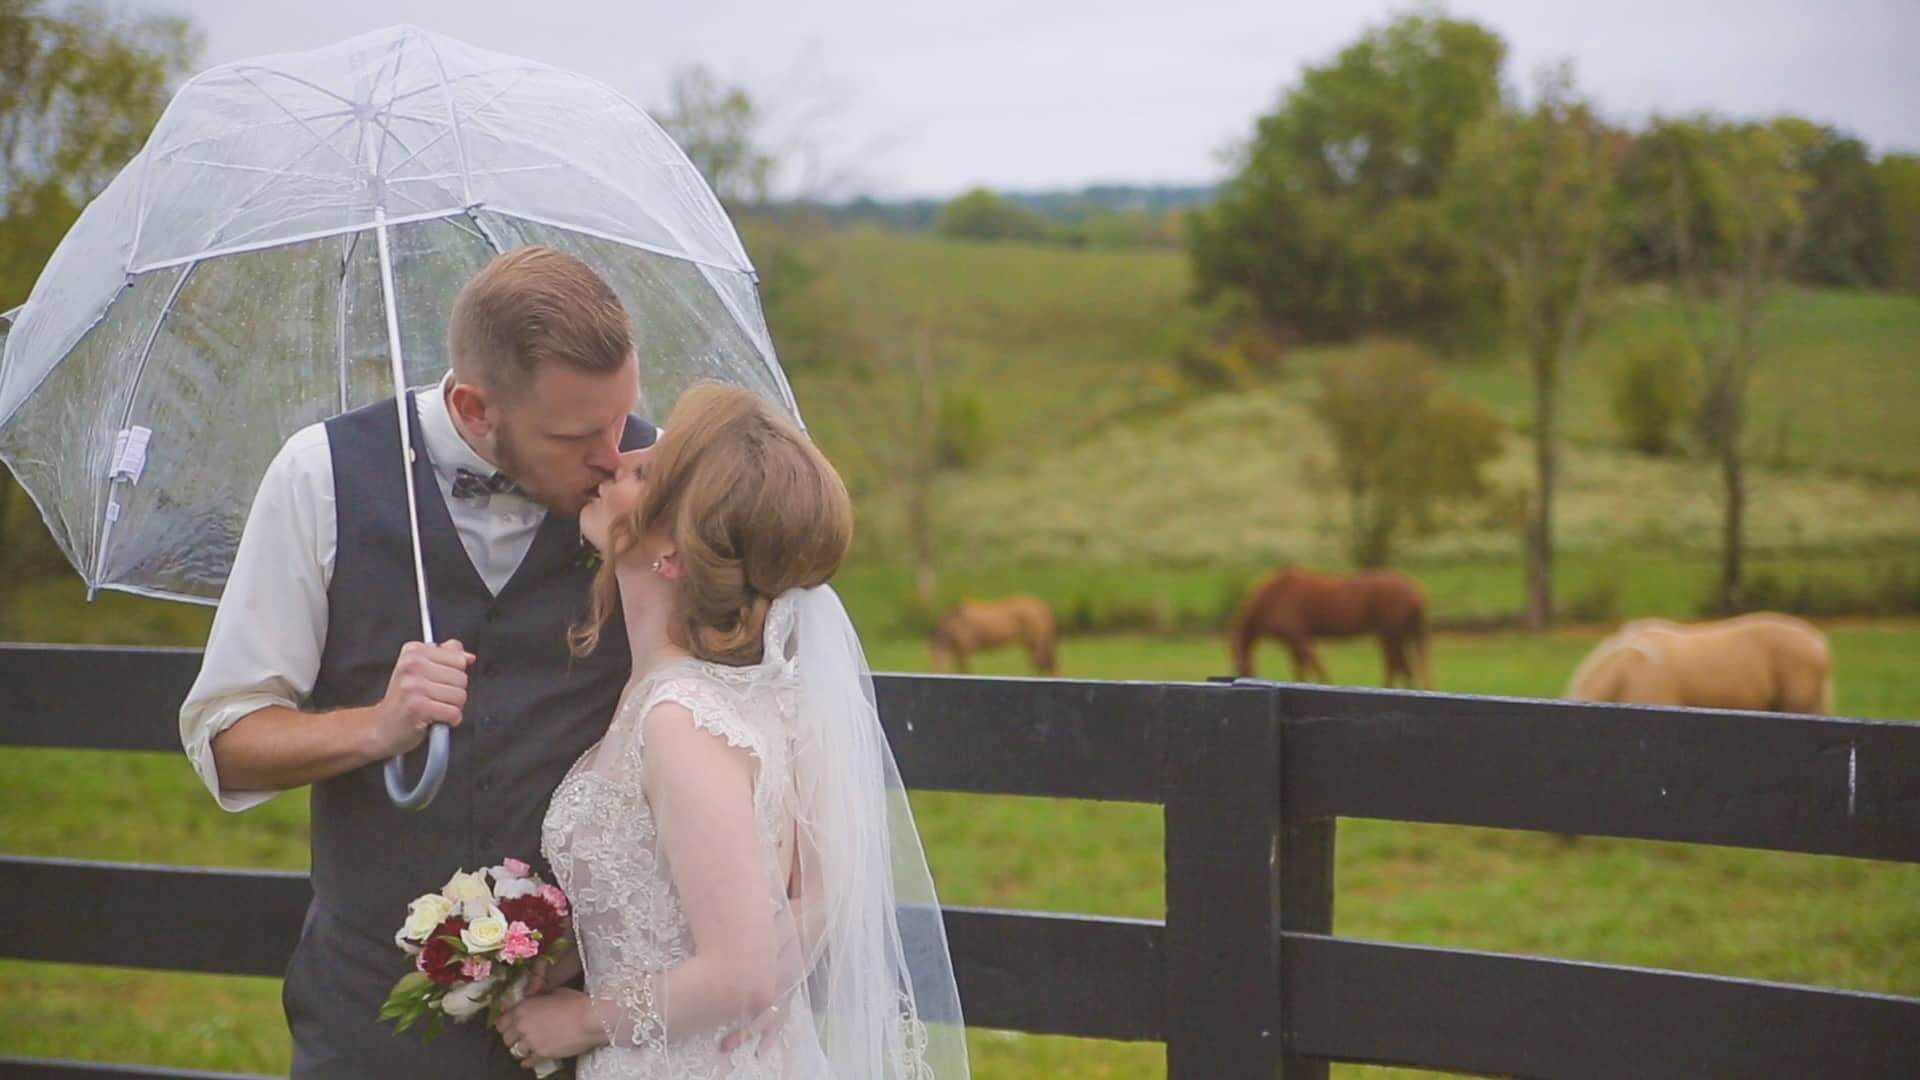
column 438, row 739
column 430, row 777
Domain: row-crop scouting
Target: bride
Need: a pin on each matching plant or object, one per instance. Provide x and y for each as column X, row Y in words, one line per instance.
column 749, row 895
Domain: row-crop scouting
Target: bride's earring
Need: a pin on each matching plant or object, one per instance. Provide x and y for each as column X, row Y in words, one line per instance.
column 655, row 567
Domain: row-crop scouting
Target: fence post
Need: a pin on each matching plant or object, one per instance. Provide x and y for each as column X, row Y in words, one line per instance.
column 1306, row 890
column 1223, row 889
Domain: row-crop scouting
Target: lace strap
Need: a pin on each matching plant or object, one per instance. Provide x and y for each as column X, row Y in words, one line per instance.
column 713, row 710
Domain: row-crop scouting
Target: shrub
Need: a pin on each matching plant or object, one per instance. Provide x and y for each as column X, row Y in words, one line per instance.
column 1655, row 388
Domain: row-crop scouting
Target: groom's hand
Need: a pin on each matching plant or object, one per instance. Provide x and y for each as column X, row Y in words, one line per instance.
column 429, row 686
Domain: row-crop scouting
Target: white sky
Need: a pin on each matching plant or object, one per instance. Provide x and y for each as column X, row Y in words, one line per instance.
column 910, row 97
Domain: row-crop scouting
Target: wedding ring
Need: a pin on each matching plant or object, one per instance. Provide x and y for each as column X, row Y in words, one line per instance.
column 518, row 1050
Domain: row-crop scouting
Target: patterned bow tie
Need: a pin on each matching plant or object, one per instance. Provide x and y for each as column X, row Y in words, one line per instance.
column 468, row 484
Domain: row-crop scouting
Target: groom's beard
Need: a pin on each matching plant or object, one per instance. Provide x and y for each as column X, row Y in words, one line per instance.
column 508, row 459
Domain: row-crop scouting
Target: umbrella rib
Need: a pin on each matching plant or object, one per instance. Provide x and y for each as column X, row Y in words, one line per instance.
column 126, row 415
column 468, row 77
column 340, row 306
column 248, row 129
column 422, row 205
column 424, row 147
column 270, row 181
column 393, row 56
column 298, row 119
column 485, row 232
column 453, row 128
column 210, row 163
column 243, row 71
column 601, row 234
column 286, row 241
column 425, row 177
column 453, row 120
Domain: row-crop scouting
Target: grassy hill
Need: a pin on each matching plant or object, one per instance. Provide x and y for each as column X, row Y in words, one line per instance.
column 1102, row 484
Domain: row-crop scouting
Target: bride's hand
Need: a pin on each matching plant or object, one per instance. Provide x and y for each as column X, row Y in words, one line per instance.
column 554, row 1026
column 553, row 973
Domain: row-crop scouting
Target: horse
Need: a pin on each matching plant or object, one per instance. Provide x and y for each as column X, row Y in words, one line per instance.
column 974, row 625
column 1764, row 661
column 1296, row 605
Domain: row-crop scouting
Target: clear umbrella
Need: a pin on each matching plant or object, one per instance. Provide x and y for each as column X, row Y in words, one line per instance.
column 287, row 247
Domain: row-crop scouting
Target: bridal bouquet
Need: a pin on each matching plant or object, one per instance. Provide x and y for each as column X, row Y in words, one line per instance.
column 473, row 944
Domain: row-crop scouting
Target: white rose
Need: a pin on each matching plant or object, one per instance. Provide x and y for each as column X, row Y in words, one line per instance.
column 467, row 999
column 468, row 894
column 487, row 933
column 508, row 888
column 423, row 915
column 400, row 939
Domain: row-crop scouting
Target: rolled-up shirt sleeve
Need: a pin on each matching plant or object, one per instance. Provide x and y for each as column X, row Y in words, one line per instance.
column 268, row 633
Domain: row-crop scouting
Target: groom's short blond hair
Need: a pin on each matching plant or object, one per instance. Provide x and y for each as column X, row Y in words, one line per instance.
column 530, row 307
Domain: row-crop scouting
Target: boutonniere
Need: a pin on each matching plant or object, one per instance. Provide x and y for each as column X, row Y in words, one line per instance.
column 589, row 556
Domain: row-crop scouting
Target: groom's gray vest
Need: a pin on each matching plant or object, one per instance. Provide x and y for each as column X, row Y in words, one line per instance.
column 532, row 709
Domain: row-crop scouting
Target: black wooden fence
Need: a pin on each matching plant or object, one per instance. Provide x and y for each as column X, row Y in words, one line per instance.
column 1244, row 977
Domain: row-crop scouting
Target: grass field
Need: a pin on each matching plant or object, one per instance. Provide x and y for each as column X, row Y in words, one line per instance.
column 1838, row 922
column 1062, row 344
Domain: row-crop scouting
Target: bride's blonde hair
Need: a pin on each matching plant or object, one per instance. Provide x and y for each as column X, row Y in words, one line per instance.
column 753, row 509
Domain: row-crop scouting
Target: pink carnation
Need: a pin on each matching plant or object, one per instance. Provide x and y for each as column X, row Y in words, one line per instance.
column 515, row 868
column 475, row 968
column 552, row 895
column 520, row 944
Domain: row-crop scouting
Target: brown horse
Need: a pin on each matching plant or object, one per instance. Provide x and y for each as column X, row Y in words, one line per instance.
column 1763, row 662
column 1297, row 605
column 974, row 625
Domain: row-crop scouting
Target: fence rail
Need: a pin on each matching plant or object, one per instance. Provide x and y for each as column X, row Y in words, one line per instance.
column 1243, row 977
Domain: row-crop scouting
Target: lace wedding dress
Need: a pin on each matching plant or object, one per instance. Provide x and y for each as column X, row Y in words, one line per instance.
column 847, row 966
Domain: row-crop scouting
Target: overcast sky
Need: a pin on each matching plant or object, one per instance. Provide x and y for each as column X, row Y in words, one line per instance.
column 914, row 97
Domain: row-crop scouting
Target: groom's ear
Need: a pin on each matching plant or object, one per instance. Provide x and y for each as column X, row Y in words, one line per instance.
column 470, row 404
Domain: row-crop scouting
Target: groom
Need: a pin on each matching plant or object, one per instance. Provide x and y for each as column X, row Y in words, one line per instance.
column 313, row 676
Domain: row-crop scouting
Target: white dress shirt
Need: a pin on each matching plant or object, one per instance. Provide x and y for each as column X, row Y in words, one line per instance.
column 271, row 626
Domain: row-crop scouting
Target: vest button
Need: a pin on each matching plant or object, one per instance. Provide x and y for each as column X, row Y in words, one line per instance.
column 485, row 783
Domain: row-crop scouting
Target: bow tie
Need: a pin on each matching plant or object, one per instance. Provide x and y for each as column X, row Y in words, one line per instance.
column 468, row 484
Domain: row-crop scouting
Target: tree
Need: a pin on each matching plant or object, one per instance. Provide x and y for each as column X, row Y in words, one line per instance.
column 1898, row 177
column 1331, row 223
column 981, row 215
column 910, row 423
column 1844, row 240
column 722, row 131
column 1750, row 179
column 81, row 86
column 1532, row 191
column 1403, row 445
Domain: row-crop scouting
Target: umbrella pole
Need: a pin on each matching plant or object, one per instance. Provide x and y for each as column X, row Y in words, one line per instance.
column 438, row 738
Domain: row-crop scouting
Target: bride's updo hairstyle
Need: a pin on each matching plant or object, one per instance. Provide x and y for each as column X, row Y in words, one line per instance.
column 753, row 508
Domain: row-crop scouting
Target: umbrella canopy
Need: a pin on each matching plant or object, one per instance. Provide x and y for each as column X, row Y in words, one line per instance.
column 287, row 246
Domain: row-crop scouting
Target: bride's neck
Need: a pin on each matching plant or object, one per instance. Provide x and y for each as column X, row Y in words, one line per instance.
column 647, row 606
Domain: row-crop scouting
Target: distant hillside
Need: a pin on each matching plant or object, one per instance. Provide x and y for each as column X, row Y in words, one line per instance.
column 1092, row 459
column 915, row 215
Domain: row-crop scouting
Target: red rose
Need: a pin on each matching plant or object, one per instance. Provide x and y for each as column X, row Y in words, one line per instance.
column 539, row 916
column 438, row 959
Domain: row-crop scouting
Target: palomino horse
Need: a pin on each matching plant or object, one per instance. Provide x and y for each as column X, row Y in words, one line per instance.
column 1764, row 662
column 973, row 625
column 1297, row 605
